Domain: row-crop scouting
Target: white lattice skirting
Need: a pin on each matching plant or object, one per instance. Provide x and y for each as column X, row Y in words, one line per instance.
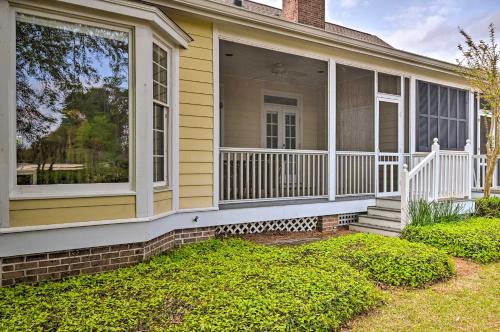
column 286, row 225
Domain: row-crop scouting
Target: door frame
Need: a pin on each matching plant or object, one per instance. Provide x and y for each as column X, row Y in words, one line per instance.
column 381, row 97
column 281, row 109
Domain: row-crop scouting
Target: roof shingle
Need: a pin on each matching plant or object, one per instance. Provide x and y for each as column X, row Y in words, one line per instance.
column 330, row 27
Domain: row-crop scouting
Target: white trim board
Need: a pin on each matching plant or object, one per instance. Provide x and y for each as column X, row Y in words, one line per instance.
column 39, row 239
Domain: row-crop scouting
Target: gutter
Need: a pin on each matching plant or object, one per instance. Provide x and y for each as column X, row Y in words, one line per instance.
column 226, row 13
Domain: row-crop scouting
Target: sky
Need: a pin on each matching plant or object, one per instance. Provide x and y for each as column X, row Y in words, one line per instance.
column 425, row 27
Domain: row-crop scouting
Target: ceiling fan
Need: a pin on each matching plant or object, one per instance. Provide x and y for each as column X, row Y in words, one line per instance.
column 279, row 71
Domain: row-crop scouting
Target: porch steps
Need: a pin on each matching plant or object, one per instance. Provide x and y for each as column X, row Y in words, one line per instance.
column 383, row 219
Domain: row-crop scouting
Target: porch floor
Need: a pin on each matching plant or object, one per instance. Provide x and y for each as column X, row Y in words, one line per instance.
column 284, row 202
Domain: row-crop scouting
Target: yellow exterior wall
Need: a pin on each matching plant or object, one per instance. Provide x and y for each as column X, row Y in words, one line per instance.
column 162, row 201
column 33, row 212
column 196, row 115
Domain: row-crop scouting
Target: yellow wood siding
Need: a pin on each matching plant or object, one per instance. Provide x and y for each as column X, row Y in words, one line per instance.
column 196, row 115
column 162, row 201
column 66, row 210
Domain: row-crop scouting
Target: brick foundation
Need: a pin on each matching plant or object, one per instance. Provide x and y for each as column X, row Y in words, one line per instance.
column 328, row 224
column 63, row 264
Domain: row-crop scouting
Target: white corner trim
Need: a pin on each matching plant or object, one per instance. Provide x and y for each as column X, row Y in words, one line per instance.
column 216, row 115
column 174, row 154
column 6, row 55
column 143, row 123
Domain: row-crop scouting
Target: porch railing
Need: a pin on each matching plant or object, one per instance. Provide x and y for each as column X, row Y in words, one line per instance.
column 355, row 173
column 440, row 175
column 248, row 174
column 479, row 173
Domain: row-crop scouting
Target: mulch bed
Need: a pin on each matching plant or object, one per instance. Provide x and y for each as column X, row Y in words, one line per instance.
column 292, row 238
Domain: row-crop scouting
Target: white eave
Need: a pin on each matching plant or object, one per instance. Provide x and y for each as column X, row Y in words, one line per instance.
column 227, row 13
column 150, row 14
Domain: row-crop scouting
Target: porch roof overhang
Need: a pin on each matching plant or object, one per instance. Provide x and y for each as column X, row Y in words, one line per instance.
column 236, row 15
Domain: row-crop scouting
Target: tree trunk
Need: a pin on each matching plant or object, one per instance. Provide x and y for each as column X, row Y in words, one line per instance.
column 491, row 160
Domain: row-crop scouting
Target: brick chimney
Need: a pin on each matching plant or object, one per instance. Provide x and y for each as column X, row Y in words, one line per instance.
column 310, row 12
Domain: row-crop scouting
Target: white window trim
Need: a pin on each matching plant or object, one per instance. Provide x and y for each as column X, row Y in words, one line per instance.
column 70, row 190
column 298, row 109
column 167, row 181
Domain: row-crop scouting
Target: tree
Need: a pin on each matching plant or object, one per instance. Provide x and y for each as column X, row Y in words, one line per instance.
column 479, row 65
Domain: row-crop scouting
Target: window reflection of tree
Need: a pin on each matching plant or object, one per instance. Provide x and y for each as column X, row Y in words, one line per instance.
column 72, row 101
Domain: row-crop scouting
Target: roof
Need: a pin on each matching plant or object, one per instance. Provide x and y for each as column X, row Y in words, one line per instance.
column 330, row 27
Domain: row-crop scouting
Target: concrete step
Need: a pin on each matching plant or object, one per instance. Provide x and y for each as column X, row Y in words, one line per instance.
column 389, row 203
column 368, row 219
column 384, row 212
column 380, row 230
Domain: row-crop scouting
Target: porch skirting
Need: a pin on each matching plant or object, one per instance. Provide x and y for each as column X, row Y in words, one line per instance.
column 58, row 265
column 62, row 264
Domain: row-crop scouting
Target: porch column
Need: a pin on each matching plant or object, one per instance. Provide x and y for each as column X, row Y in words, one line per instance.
column 412, row 115
column 332, row 112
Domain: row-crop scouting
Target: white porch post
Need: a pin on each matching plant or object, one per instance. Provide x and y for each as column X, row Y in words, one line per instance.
column 332, row 112
column 6, row 107
column 144, row 123
column 405, row 195
column 412, row 115
column 469, row 175
column 435, row 178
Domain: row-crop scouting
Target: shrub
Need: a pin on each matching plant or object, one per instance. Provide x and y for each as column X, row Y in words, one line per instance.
column 488, row 207
column 391, row 261
column 216, row 285
column 428, row 213
column 477, row 238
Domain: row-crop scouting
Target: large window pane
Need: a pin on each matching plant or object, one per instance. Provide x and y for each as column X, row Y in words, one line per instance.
column 442, row 113
column 355, row 109
column 72, row 103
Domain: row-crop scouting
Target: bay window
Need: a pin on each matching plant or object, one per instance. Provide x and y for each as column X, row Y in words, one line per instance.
column 161, row 102
column 72, row 102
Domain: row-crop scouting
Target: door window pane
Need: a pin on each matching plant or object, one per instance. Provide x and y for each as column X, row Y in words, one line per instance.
column 290, row 131
column 72, row 105
column 272, row 130
column 388, row 127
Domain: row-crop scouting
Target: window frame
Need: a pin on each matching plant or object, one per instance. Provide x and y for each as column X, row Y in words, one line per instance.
column 166, row 183
column 81, row 189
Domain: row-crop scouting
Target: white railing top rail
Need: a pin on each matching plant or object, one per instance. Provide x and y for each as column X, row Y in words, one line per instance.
column 421, row 164
column 358, row 153
column 263, row 150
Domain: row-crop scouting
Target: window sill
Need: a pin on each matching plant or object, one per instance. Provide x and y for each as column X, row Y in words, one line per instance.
column 21, row 193
column 160, row 189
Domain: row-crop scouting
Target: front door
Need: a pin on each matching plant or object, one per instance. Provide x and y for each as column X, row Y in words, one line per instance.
column 389, row 145
column 281, row 128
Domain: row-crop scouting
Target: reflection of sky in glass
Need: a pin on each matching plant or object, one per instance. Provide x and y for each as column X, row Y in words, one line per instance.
column 99, row 61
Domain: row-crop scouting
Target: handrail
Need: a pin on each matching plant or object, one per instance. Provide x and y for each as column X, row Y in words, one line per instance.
column 421, row 164
column 440, row 175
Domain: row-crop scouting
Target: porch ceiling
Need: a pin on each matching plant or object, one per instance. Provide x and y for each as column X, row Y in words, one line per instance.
column 262, row 64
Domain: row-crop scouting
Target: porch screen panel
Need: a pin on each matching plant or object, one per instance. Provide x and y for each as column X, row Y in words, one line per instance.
column 355, row 109
column 441, row 113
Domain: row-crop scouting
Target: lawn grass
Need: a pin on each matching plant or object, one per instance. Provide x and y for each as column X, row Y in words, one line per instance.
column 468, row 302
column 475, row 238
